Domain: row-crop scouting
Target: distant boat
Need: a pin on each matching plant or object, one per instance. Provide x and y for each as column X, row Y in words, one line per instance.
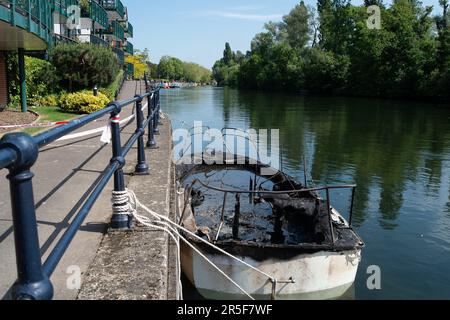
column 175, row 85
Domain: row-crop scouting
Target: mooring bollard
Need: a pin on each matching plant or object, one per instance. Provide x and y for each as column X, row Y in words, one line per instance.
column 151, row 143
column 141, row 168
column 32, row 283
column 118, row 221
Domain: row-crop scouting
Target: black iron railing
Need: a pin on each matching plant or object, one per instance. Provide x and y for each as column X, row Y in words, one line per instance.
column 19, row 152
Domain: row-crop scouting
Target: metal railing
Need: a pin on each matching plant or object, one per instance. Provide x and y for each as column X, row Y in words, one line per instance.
column 129, row 30
column 60, row 39
column 19, row 152
column 34, row 16
column 327, row 189
column 96, row 13
column 114, row 5
column 129, row 48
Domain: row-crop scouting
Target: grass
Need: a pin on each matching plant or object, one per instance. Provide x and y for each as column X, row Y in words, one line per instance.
column 49, row 114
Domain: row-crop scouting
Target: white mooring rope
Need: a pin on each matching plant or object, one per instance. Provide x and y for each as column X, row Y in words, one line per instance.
column 127, row 203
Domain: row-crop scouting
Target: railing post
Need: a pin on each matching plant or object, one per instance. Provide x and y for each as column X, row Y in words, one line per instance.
column 32, row 283
column 156, row 118
column 151, row 143
column 118, row 221
column 141, row 167
column 330, row 219
column 352, row 205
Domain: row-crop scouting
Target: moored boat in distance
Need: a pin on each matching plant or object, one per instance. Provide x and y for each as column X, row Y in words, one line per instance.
column 279, row 239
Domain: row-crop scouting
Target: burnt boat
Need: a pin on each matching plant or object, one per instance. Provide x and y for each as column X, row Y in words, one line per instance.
column 273, row 223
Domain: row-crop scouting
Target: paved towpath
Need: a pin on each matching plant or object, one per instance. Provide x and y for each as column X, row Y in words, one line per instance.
column 64, row 174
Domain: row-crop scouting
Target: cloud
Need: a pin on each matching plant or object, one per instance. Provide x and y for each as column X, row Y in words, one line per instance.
column 244, row 16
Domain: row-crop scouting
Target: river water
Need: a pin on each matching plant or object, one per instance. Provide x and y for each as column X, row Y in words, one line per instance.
column 398, row 153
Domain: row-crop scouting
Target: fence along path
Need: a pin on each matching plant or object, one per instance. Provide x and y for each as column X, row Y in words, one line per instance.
column 64, row 174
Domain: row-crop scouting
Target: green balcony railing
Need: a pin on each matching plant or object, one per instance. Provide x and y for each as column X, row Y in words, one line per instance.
column 116, row 29
column 96, row 13
column 98, row 41
column 34, row 16
column 129, row 30
column 120, row 55
column 129, row 48
column 60, row 39
column 61, row 6
column 114, row 5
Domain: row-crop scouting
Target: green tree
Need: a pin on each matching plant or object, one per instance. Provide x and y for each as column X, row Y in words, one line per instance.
column 170, row 68
column 82, row 66
column 297, row 26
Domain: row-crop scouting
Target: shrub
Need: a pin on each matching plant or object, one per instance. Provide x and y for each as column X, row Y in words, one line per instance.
column 41, row 78
column 83, row 102
column 50, row 100
column 111, row 90
column 83, row 66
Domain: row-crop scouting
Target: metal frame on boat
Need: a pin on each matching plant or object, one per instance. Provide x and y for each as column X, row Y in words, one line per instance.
column 311, row 270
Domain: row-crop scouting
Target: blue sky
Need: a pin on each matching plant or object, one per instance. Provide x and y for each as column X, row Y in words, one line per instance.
column 196, row 30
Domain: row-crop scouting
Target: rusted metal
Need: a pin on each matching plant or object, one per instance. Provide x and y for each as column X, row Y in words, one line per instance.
column 222, row 220
column 276, row 192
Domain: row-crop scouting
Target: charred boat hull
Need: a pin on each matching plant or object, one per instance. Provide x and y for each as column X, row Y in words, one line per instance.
column 318, row 276
column 277, row 226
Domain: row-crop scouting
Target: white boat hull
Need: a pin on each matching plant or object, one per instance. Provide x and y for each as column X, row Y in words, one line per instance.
column 323, row 275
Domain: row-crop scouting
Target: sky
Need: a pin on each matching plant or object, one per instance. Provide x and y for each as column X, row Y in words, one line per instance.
column 196, row 30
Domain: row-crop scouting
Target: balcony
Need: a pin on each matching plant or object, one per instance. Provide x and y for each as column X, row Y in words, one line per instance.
column 61, row 6
column 60, row 39
column 129, row 49
column 116, row 31
column 90, row 38
column 115, row 8
column 129, row 30
column 120, row 55
column 95, row 12
column 26, row 24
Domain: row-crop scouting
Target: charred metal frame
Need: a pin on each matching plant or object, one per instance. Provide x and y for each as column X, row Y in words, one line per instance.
column 252, row 193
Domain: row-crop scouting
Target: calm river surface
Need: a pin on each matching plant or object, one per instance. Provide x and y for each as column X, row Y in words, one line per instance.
column 397, row 152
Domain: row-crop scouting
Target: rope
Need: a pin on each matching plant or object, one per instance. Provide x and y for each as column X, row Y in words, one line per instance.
column 126, row 202
column 123, row 205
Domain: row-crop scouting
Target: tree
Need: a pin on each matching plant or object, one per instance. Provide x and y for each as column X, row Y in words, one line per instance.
column 228, row 55
column 297, row 26
column 82, row 66
column 170, row 68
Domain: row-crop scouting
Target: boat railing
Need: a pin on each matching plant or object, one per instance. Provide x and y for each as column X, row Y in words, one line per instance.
column 225, row 132
column 236, row 192
column 18, row 154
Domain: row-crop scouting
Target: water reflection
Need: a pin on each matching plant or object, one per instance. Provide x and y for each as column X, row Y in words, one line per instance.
column 377, row 144
column 398, row 153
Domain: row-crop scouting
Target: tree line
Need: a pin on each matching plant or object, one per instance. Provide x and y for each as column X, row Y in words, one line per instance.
column 333, row 49
column 172, row 68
